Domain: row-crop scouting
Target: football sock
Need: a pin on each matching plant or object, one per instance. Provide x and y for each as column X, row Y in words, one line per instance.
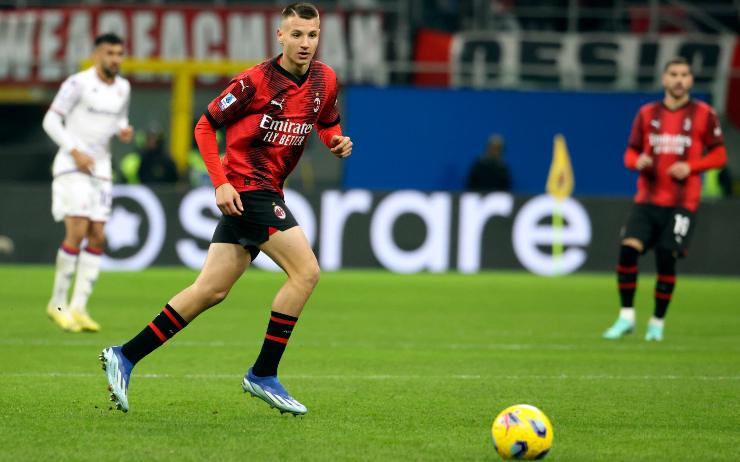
column 665, row 282
column 162, row 328
column 65, row 269
column 88, row 269
column 276, row 339
column 627, row 275
column 656, row 321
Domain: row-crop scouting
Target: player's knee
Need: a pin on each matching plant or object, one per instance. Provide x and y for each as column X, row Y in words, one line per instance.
column 308, row 276
column 211, row 295
column 634, row 243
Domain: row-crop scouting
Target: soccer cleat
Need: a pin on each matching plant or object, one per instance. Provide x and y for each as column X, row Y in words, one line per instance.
column 118, row 371
column 62, row 318
column 654, row 333
column 84, row 320
column 269, row 390
column 619, row 329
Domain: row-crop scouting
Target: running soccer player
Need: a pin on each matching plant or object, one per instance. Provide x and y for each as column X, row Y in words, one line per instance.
column 89, row 109
column 672, row 142
column 268, row 112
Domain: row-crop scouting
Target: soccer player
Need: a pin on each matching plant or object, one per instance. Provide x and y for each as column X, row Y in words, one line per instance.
column 268, row 112
column 89, row 109
column 672, row 142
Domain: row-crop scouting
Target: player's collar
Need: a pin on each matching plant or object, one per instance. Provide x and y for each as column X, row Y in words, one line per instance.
column 683, row 106
column 297, row 80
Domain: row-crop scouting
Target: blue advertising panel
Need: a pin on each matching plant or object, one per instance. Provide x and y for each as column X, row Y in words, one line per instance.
column 427, row 139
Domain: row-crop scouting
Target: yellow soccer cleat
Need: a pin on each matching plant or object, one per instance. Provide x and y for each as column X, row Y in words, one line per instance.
column 63, row 318
column 84, row 320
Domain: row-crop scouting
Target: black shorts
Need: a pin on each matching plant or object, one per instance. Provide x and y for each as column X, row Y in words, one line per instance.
column 264, row 213
column 668, row 228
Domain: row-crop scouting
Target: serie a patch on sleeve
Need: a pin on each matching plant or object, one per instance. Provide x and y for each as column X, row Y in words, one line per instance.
column 226, row 101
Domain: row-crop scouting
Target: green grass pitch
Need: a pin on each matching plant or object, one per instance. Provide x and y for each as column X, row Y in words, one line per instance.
column 391, row 367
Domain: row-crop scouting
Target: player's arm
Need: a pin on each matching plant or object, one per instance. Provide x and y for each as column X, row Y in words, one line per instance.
column 53, row 124
column 634, row 157
column 125, row 130
column 226, row 108
column 329, row 129
column 715, row 157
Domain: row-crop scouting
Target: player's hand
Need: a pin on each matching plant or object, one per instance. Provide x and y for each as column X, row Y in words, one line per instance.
column 228, row 200
column 126, row 134
column 341, row 146
column 83, row 162
column 644, row 161
column 679, row 170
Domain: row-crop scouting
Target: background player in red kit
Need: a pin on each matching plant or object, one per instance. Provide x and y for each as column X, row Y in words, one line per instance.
column 672, row 142
column 268, row 112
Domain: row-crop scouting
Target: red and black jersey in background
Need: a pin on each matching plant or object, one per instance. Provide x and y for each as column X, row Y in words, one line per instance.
column 269, row 114
column 690, row 133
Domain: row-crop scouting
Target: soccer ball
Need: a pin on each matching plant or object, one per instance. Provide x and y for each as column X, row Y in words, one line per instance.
column 522, row 432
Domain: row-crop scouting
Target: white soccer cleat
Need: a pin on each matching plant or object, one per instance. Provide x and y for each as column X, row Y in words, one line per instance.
column 118, row 370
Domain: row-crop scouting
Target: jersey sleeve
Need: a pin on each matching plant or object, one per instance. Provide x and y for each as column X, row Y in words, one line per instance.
column 232, row 103
column 636, row 135
column 329, row 115
column 713, row 136
column 67, row 96
column 123, row 115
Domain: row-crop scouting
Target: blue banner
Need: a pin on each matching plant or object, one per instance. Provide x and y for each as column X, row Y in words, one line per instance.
column 427, row 139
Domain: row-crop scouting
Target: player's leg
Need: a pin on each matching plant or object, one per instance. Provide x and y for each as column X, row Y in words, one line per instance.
column 88, row 269
column 224, row 264
column 66, row 263
column 636, row 238
column 292, row 252
column 673, row 244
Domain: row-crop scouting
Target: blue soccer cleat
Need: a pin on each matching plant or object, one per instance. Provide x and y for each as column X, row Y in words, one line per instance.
column 269, row 390
column 654, row 333
column 619, row 329
column 118, row 370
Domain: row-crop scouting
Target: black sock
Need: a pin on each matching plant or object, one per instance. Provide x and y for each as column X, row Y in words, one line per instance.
column 627, row 275
column 665, row 282
column 276, row 339
column 162, row 328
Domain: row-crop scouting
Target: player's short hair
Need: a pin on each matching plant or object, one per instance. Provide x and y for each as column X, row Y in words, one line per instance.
column 303, row 10
column 677, row 60
column 109, row 38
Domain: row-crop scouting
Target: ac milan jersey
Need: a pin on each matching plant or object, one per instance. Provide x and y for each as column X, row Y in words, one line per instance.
column 269, row 114
column 668, row 136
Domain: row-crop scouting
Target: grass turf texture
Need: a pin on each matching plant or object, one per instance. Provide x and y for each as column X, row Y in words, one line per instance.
column 392, row 367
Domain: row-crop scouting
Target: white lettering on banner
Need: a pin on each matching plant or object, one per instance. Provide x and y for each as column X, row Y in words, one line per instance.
column 332, row 46
column 528, row 234
column 196, row 223
column 153, row 241
column 49, row 66
column 246, row 39
column 304, row 215
column 78, row 45
column 173, row 44
column 197, row 213
column 336, row 207
column 367, row 49
column 475, row 212
column 112, row 22
column 433, row 254
column 16, row 44
column 143, row 43
column 207, row 35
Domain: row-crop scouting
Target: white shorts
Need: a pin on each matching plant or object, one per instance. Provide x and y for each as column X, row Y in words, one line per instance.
column 79, row 195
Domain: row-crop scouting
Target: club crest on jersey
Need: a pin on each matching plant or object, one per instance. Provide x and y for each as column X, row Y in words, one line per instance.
column 226, row 101
column 686, row 124
column 279, row 212
column 316, row 103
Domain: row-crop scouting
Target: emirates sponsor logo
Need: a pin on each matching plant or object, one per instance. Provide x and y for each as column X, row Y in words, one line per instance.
column 284, row 132
column 669, row 144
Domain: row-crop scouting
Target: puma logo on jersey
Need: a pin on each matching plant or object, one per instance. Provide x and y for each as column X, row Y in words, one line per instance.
column 244, row 87
column 280, row 104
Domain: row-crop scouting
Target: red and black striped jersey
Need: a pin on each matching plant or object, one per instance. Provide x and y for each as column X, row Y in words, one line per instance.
column 269, row 114
column 690, row 133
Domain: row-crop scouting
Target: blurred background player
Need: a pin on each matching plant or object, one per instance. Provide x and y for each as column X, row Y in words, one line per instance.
column 268, row 111
column 672, row 142
column 89, row 109
column 490, row 172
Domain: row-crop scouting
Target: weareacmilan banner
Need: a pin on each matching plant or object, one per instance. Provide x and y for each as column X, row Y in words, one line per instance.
column 44, row 45
column 573, row 61
column 404, row 231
